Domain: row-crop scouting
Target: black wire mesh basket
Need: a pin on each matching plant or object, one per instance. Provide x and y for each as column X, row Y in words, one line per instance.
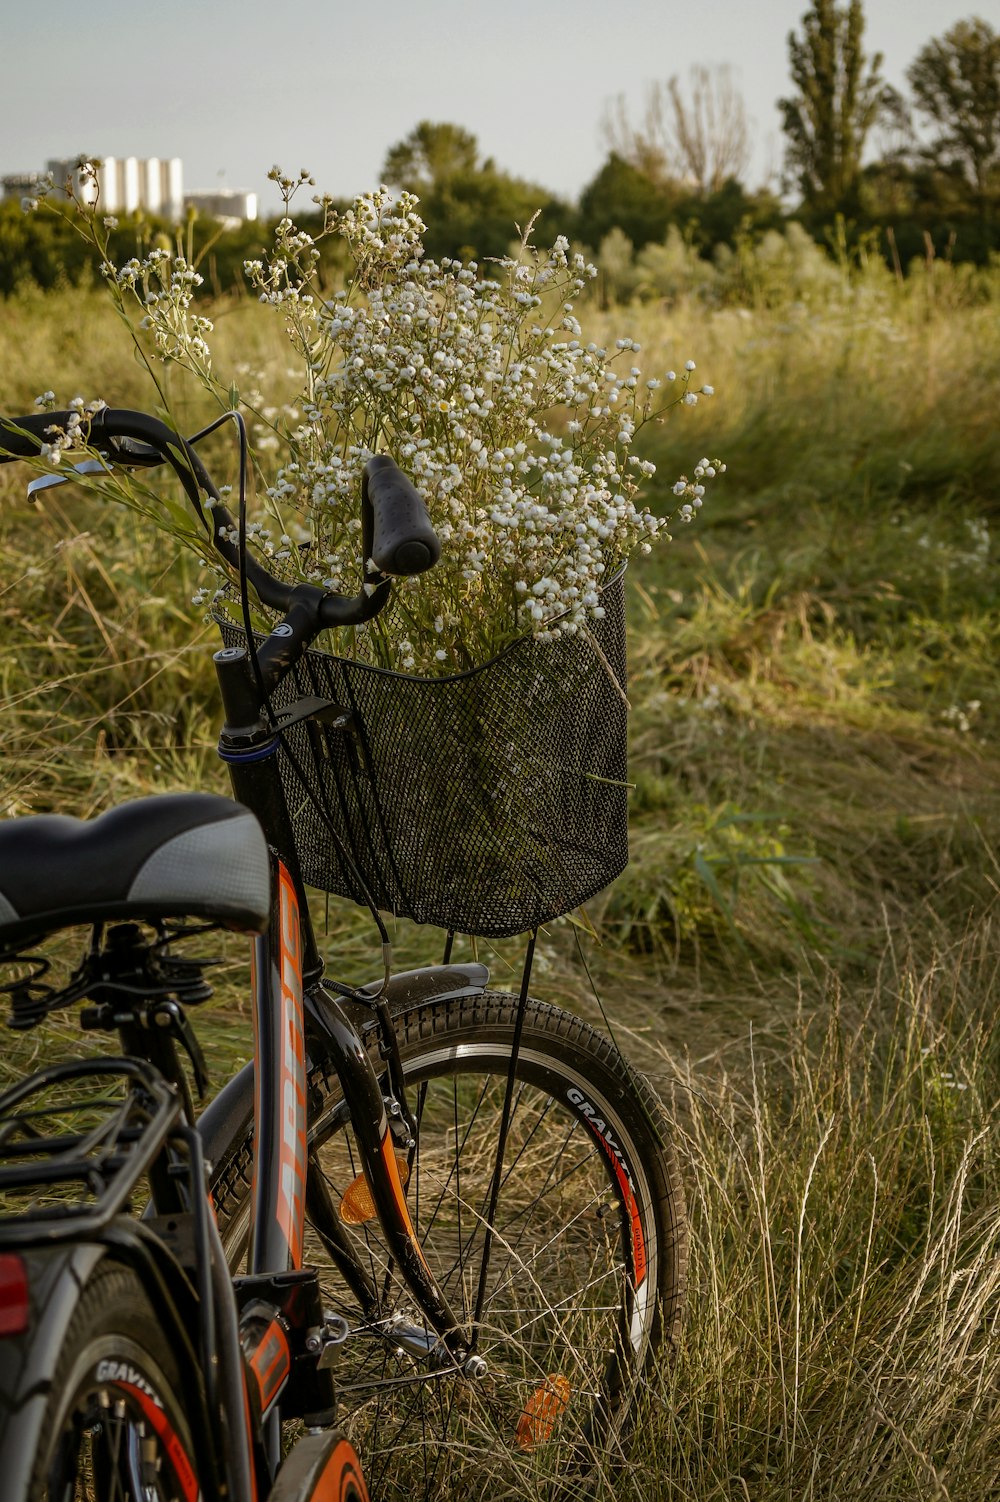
column 488, row 802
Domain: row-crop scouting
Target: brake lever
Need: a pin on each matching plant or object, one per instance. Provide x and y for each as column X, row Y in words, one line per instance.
column 126, row 453
column 87, row 467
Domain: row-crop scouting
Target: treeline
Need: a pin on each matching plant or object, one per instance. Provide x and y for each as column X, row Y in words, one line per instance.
column 872, row 171
column 45, row 250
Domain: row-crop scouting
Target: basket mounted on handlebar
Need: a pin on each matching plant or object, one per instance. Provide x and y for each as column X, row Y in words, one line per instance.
column 488, row 802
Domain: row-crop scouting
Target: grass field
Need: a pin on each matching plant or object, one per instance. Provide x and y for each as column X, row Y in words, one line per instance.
column 803, row 953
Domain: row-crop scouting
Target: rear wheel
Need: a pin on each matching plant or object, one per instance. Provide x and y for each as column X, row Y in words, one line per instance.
column 584, row 1280
column 115, row 1430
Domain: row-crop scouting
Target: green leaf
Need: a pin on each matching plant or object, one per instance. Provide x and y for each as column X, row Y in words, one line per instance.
column 707, row 875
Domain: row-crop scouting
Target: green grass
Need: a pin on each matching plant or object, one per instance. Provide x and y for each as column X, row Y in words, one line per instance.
column 803, row 953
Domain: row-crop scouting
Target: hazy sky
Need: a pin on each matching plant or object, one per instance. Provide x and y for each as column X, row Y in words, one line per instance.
column 233, row 87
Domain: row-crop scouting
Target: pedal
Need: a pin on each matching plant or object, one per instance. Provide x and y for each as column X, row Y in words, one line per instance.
column 542, row 1412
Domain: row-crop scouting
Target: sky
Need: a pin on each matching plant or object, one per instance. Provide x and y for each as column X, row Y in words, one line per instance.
column 235, row 86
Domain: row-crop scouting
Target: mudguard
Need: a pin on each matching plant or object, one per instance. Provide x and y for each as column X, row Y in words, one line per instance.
column 323, row 1468
column 27, row 1362
column 56, row 1276
column 225, row 1121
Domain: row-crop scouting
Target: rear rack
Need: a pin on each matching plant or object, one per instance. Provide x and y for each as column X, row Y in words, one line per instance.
column 96, row 1144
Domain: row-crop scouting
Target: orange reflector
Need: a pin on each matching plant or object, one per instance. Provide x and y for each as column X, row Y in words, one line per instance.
column 541, row 1411
column 357, row 1205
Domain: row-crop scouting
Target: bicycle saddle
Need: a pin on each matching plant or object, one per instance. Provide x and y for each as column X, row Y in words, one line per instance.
column 169, row 856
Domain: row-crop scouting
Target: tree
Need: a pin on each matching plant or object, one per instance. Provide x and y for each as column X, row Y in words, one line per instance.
column 840, row 96
column 711, row 133
column 703, row 140
column 471, row 208
column 431, row 154
column 956, row 84
column 725, row 215
column 622, row 197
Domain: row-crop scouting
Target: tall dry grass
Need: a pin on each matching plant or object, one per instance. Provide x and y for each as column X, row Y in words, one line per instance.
column 803, row 953
column 845, row 1206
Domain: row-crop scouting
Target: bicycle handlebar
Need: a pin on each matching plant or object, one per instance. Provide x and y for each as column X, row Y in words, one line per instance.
column 396, row 531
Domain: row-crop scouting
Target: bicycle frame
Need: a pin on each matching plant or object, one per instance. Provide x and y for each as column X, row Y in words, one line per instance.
column 289, row 998
column 270, row 1295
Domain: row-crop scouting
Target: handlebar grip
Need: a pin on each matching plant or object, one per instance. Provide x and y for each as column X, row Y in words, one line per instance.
column 402, row 541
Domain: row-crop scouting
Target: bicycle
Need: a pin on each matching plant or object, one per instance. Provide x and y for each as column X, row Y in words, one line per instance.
column 486, row 1184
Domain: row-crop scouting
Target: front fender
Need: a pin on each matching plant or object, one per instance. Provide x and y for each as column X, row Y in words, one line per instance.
column 412, row 988
column 224, row 1123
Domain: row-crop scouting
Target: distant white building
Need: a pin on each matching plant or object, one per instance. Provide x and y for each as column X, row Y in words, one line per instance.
column 231, row 205
column 127, row 183
column 21, row 184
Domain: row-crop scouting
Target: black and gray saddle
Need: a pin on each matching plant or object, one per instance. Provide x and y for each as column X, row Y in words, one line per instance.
column 175, row 855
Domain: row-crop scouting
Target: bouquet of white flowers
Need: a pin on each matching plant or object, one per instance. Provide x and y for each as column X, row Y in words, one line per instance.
column 479, row 382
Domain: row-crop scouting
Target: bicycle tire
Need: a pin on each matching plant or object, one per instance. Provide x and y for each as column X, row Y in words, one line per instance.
column 115, row 1425
column 564, row 1373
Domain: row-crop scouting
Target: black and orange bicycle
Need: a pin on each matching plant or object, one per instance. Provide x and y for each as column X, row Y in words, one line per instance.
column 430, row 1223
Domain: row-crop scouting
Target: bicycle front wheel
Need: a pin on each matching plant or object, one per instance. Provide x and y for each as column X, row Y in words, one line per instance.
column 583, row 1282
